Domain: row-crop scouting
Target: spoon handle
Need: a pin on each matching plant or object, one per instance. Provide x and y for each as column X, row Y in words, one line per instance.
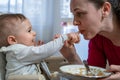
column 86, row 65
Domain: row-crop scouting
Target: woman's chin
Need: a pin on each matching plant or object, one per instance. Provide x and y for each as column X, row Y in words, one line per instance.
column 88, row 37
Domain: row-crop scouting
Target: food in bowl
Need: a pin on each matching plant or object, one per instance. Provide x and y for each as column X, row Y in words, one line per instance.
column 94, row 72
column 80, row 70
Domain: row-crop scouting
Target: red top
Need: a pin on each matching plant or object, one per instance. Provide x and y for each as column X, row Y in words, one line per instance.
column 100, row 49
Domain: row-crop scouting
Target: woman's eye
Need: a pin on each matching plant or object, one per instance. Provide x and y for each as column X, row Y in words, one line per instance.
column 79, row 14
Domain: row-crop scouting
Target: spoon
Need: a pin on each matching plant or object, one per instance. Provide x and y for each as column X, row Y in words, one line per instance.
column 88, row 72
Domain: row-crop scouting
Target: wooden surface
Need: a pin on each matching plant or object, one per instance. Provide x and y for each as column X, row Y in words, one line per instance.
column 55, row 62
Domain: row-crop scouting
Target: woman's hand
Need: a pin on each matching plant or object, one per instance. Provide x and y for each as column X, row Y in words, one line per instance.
column 116, row 70
column 70, row 54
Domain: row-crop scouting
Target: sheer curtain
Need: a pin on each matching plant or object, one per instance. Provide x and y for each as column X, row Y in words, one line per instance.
column 39, row 12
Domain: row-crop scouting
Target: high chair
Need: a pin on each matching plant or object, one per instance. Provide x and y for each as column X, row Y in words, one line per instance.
column 50, row 67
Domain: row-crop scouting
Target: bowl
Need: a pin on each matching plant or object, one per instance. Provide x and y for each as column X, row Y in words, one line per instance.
column 79, row 71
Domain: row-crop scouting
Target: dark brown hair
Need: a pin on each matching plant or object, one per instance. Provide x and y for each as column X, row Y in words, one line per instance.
column 114, row 3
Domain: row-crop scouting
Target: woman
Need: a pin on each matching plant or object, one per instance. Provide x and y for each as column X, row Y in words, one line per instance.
column 98, row 21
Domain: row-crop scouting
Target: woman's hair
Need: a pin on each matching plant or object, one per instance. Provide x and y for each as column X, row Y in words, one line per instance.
column 8, row 26
column 114, row 3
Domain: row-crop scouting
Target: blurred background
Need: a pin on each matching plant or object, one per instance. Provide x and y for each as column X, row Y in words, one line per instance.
column 48, row 17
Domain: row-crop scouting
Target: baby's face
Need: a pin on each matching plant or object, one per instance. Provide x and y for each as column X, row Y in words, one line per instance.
column 25, row 34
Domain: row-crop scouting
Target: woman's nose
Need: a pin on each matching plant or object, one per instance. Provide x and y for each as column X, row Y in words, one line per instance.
column 76, row 23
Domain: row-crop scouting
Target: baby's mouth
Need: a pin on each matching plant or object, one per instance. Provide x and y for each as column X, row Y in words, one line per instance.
column 33, row 40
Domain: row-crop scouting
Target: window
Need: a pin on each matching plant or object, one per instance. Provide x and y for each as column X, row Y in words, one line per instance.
column 65, row 9
column 11, row 6
column 66, row 17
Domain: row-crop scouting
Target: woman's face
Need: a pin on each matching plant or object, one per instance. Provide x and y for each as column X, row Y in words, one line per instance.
column 86, row 17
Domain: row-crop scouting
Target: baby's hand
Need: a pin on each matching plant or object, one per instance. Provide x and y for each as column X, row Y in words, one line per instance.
column 40, row 42
column 57, row 36
column 72, row 38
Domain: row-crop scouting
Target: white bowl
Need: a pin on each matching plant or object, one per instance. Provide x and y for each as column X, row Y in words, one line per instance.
column 80, row 71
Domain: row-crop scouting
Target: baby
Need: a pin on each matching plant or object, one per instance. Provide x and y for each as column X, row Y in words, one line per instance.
column 17, row 42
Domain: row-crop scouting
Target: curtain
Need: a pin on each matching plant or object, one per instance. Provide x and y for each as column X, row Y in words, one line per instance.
column 39, row 12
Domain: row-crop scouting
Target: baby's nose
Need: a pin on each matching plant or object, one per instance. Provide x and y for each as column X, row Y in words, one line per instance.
column 34, row 33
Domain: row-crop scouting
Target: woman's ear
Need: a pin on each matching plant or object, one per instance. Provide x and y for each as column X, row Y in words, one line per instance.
column 11, row 40
column 106, row 9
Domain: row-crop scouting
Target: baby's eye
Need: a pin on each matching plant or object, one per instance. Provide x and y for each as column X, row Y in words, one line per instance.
column 29, row 30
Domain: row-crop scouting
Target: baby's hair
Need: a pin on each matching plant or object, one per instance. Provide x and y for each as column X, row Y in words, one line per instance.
column 8, row 26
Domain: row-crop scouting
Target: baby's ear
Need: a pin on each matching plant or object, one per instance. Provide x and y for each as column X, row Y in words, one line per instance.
column 11, row 40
